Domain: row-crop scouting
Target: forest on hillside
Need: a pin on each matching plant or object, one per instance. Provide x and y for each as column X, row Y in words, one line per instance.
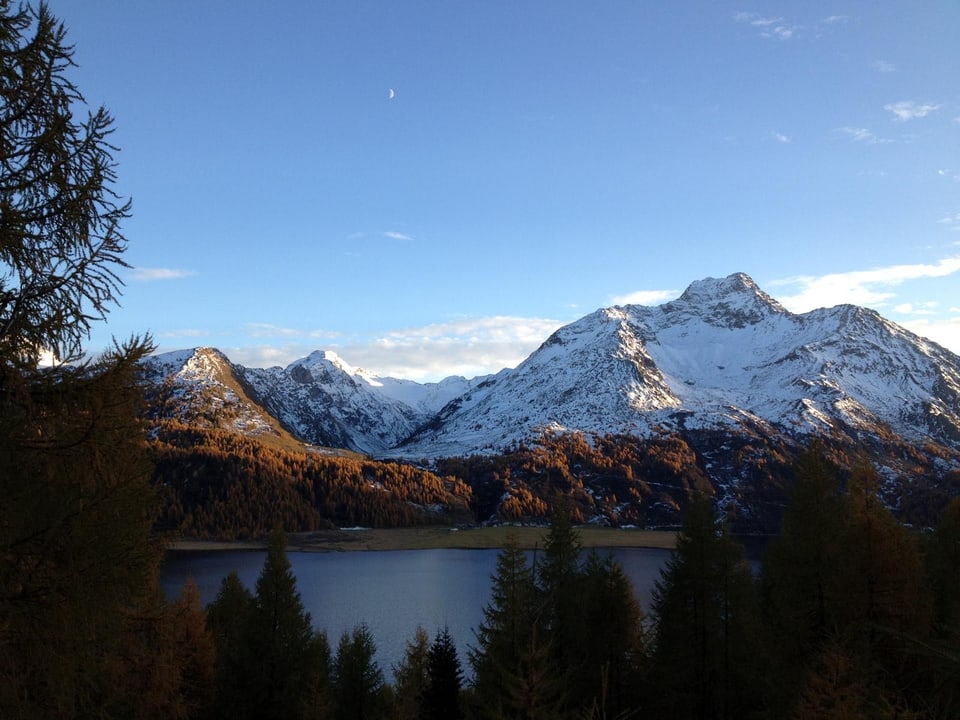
column 217, row 484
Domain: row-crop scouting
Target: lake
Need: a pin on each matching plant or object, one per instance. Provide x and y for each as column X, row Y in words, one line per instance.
column 391, row 591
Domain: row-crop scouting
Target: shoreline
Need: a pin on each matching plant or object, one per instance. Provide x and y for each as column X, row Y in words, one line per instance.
column 433, row 537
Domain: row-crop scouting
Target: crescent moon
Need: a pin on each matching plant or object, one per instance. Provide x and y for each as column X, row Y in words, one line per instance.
column 391, row 95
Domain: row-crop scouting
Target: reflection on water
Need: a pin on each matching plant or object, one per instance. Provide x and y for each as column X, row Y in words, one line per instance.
column 392, row 592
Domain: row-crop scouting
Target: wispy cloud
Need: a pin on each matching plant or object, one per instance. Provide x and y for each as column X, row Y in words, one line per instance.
column 951, row 221
column 467, row 346
column 873, row 287
column 184, row 333
column 261, row 356
column 916, row 309
column 393, row 235
column 768, row 27
column 645, row 297
column 945, row 331
column 269, row 330
column 142, row 274
column 883, row 66
column 781, row 138
column 910, row 110
column 861, row 135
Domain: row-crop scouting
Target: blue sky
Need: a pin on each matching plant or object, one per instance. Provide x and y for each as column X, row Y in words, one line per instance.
column 430, row 188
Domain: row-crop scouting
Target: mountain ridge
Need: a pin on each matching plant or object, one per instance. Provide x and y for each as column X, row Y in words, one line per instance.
column 724, row 355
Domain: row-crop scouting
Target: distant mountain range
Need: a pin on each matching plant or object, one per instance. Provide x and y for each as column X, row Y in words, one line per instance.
column 724, row 367
column 723, row 356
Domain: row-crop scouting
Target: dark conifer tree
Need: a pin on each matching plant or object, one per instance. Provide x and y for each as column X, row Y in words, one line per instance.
column 76, row 549
column 280, row 637
column 228, row 618
column 60, row 240
column 799, row 578
column 318, row 697
column 943, row 569
column 441, row 696
column 410, row 677
column 76, row 508
column 166, row 665
column 881, row 607
column 533, row 691
column 558, row 580
column 504, row 636
column 610, row 635
column 707, row 639
column 358, row 686
column 270, row 662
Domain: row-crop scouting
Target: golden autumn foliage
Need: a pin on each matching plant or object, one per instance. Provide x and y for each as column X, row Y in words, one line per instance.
column 224, row 485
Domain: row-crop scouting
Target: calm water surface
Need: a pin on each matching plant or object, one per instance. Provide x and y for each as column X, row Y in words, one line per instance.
column 391, row 591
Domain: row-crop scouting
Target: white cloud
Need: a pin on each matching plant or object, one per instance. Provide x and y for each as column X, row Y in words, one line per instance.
column 268, row 330
column 266, row 355
column 781, row 138
column 945, row 332
column 393, row 235
column 645, row 297
column 860, row 287
column 769, row 27
column 883, row 66
column 910, row 109
column 185, row 333
column 861, row 135
column 781, row 32
column 468, row 347
column 916, row 309
column 951, row 221
column 142, row 274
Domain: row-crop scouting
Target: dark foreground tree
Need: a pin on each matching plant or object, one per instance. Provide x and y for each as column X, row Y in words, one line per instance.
column 441, row 696
column 507, row 655
column 228, row 617
column 60, row 241
column 410, row 677
column 271, row 663
column 76, row 551
column 846, row 592
column 78, row 564
column 558, row 584
column 800, row 575
column 280, row 636
column 943, row 569
column 358, row 686
column 166, row 668
column 706, row 659
column 610, row 638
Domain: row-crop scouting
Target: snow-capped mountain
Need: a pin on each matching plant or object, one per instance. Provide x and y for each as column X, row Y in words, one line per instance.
column 319, row 399
column 200, row 386
column 724, row 355
column 326, row 402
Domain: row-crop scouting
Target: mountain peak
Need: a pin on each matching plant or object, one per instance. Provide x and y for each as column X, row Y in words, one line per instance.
column 734, row 284
column 735, row 300
column 323, row 357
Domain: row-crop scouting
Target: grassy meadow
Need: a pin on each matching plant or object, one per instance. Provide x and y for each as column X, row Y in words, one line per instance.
column 424, row 538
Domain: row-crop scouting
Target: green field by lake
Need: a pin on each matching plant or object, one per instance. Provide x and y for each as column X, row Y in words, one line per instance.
column 423, row 538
